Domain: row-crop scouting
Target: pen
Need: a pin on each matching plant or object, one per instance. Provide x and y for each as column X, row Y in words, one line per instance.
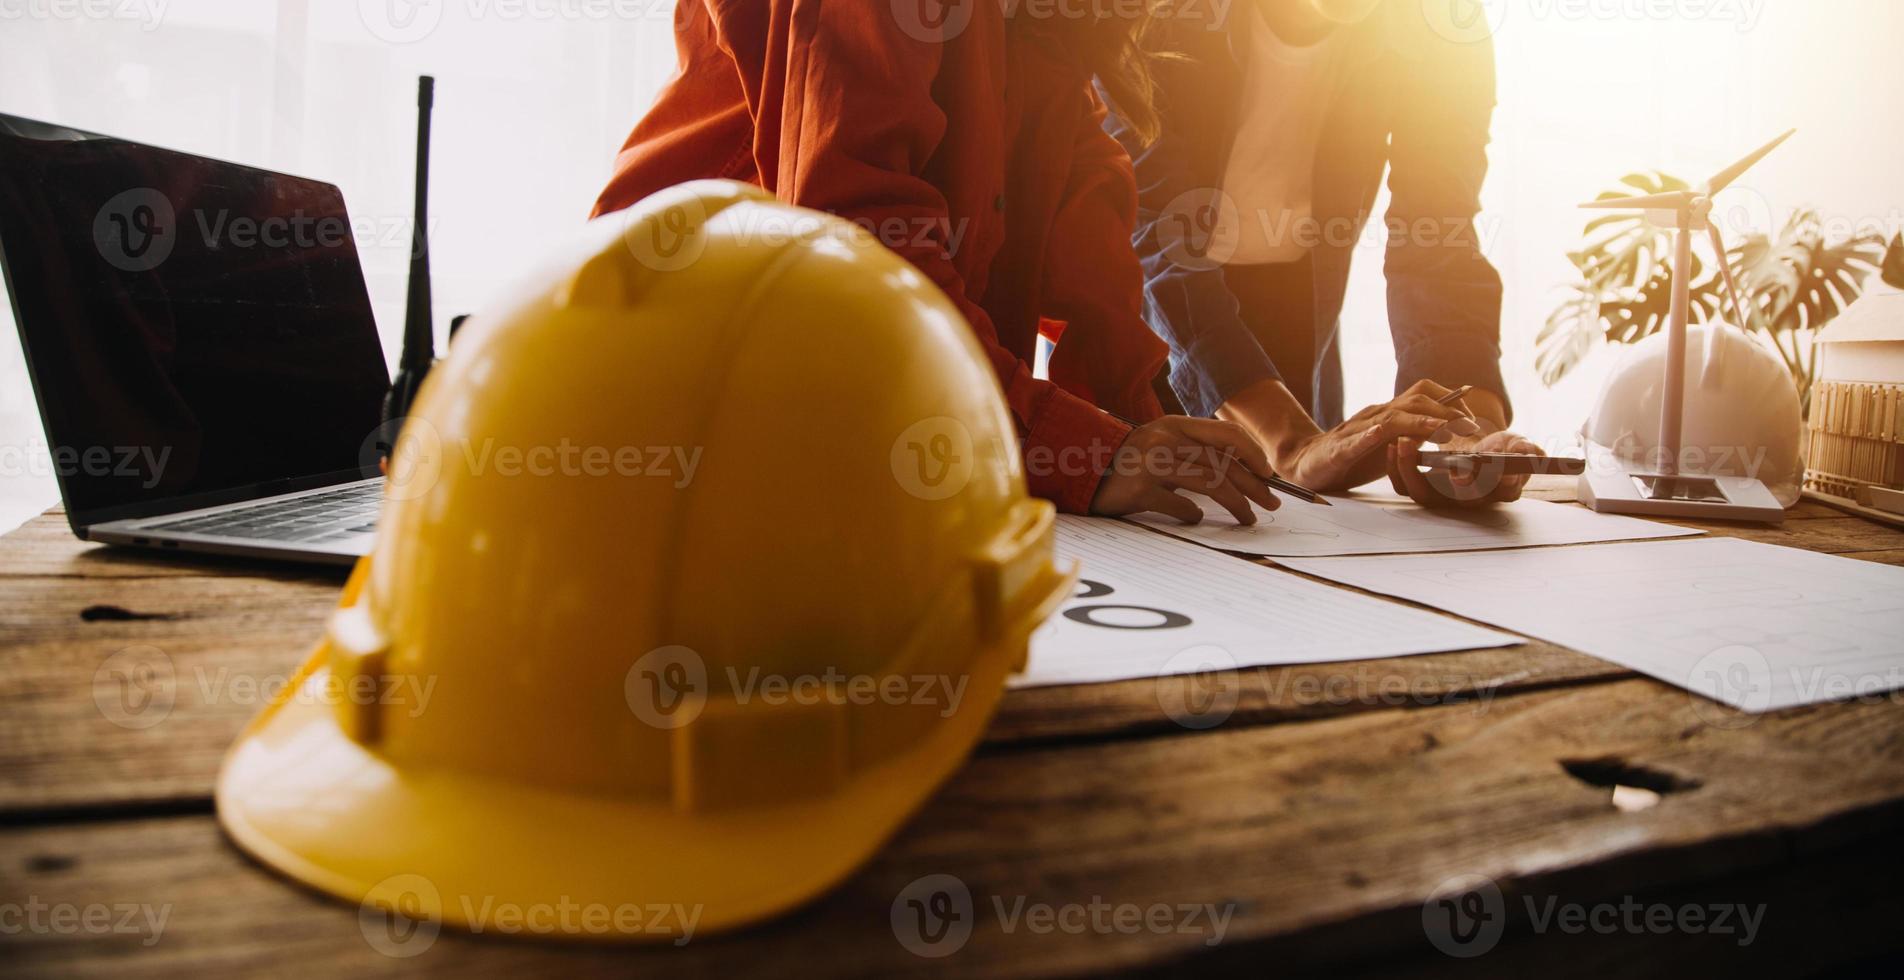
column 1454, row 398
column 1451, row 398
column 1277, row 483
column 1298, row 492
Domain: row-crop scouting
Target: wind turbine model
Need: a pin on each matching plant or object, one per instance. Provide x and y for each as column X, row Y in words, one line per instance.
column 1666, row 491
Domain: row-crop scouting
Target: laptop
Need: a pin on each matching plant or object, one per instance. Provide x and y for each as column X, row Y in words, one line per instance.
column 201, row 344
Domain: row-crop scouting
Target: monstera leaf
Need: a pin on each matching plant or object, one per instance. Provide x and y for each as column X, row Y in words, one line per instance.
column 1568, row 337
column 1626, row 267
column 1799, row 281
column 1620, row 249
column 1631, row 320
column 1794, row 282
column 1894, row 263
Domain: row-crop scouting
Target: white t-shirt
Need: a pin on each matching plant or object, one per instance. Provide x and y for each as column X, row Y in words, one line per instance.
column 1270, row 176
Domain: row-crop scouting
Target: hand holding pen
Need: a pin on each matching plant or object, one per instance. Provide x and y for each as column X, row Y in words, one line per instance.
column 1436, row 488
column 1350, row 454
column 1346, row 455
column 1275, row 482
column 1176, row 453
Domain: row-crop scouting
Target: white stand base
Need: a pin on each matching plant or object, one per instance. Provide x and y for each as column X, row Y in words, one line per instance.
column 1613, row 491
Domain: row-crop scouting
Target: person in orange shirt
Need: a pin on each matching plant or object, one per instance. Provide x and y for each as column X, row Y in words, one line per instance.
column 970, row 141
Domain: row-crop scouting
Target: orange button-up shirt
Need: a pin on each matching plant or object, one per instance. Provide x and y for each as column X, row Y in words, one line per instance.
column 974, row 149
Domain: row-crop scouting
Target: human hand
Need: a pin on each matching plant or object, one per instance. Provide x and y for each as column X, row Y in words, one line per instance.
column 1346, row 455
column 1442, row 488
column 1203, row 456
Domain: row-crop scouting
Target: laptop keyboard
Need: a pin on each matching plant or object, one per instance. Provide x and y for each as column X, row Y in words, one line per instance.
column 330, row 516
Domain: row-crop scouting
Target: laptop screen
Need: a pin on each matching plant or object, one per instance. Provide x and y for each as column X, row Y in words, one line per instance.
column 196, row 331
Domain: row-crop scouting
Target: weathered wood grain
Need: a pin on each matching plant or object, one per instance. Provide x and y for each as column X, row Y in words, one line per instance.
column 1829, row 535
column 1324, row 837
column 1270, row 695
column 1888, row 557
column 208, row 651
column 222, row 636
column 225, row 633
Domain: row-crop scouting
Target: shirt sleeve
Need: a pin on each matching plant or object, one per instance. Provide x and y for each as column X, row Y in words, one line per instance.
column 1092, row 279
column 845, row 122
column 1444, row 296
column 1213, row 354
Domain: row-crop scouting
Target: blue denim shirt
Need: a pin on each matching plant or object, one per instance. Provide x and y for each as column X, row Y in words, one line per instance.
column 1410, row 101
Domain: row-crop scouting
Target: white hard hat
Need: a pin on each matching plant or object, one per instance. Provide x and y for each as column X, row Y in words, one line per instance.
column 1741, row 418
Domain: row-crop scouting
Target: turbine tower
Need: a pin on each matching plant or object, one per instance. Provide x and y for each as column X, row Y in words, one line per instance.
column 1667, row 491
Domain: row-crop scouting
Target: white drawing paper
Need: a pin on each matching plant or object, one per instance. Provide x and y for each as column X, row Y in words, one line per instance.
column 1363, row 527
column 1752, row 625
column 1152, row 606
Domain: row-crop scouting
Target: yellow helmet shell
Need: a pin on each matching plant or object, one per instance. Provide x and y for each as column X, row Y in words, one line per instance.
column 701, row 564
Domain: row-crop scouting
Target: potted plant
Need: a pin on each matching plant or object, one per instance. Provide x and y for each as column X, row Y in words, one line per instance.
column 1793, row 283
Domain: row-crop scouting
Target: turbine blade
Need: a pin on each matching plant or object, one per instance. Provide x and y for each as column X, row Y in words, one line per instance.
column 1670, row 200
column 1725, row 269
column 1724, row 178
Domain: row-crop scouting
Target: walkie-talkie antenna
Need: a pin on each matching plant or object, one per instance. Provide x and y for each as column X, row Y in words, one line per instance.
column 419, row 332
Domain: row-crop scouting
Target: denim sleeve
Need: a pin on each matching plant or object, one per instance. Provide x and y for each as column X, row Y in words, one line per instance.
column 1213, row 355
column 1444, row 296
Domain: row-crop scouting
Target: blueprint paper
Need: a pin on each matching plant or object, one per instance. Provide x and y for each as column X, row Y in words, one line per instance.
column 1360, row 527
column 1152, row 606
column 1752, row 625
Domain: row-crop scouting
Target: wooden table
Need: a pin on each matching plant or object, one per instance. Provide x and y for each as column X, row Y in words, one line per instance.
column 1332, row 805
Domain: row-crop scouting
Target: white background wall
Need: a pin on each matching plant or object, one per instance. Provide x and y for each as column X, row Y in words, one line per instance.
column 535, row 96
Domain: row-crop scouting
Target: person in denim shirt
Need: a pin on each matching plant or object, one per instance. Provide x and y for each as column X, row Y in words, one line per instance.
column 1279, row 118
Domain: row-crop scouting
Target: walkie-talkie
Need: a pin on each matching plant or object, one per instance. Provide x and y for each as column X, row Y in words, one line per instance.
column 419, row 332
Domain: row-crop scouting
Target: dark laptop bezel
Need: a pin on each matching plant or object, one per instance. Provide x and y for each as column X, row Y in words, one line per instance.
column 80, row 521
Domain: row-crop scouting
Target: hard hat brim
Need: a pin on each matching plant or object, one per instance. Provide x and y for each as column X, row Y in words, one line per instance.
column 500, row 857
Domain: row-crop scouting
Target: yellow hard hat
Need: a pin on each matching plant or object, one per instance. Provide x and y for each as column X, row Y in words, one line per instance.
column 702, row 563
